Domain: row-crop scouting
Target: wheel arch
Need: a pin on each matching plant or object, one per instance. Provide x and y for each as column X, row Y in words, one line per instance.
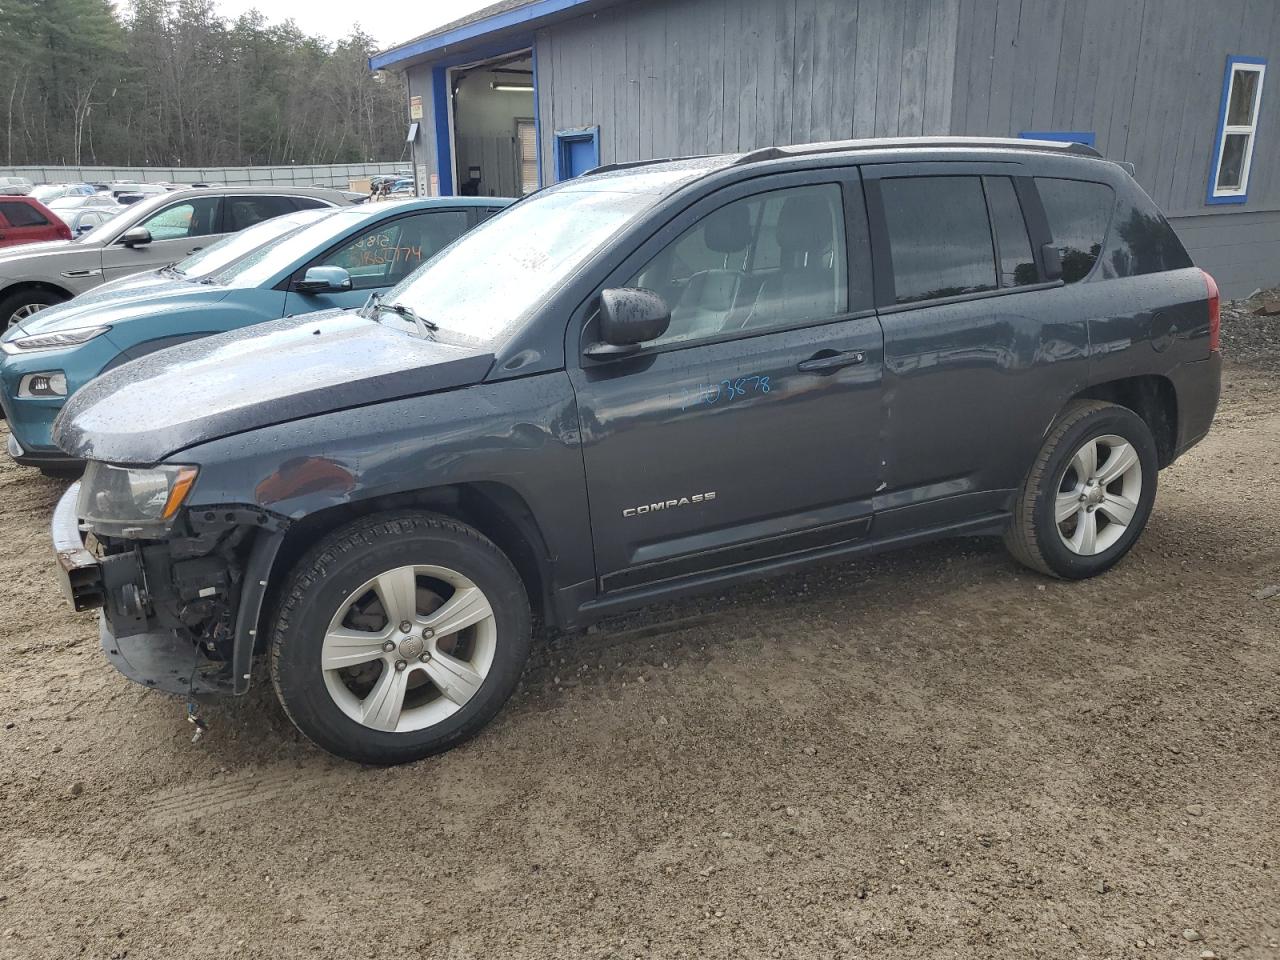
column 45, row 285
column 1153, row 398
column 498, row 511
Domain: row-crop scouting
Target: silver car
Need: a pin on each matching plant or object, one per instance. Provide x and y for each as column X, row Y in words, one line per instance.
column 147, row 235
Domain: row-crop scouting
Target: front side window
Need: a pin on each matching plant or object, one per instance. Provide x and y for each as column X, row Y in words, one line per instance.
column 771, row 260
column 939, row 237
column 1237, row 128
column 190, row 218
column 390, row 252
column 1079, row 213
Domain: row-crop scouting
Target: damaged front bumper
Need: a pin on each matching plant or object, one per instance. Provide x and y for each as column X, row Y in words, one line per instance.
column 172, row 617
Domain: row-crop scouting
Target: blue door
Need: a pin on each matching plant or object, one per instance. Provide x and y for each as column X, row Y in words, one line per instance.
column 577, row 151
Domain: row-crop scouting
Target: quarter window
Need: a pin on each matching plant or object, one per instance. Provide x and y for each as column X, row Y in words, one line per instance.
column 191, row 218
column 771, row 260
column 939, row 237
column 1237, row 127
column 384, row 256
column 1079, row 213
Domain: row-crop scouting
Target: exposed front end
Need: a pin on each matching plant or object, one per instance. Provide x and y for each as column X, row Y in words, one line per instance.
column 179, row 591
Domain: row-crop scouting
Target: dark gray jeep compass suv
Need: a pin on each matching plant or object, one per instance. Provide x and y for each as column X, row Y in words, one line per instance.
column 654, row 379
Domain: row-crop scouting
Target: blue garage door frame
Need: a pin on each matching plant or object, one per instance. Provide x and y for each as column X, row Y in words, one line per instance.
column 577, row 151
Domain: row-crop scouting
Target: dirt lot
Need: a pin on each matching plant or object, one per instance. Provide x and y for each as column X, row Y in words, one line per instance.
column 932, row 754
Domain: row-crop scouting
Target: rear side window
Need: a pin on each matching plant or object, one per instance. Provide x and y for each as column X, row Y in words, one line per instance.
column 244, row 212
column 307, row 203
column 939, row 237
column 1079, row 213
column 22, row 215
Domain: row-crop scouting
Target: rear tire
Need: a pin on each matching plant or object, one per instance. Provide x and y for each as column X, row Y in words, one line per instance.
column 398, row 636
column 19, row 305
column 1089, row 493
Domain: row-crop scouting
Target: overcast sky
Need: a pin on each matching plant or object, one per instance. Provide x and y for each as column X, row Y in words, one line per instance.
column 387, row 23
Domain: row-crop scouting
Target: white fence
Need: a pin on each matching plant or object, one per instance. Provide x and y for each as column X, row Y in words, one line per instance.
column 326, row 175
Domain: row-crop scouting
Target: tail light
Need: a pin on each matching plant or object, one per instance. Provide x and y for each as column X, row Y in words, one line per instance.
column 1215, row 312
column 63, row 231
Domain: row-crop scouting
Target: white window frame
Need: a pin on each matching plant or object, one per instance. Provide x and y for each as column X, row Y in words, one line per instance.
column 1235, row 67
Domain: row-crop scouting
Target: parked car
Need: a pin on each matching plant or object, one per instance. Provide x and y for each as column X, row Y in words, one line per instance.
column 292, row 264
column 24, row 220
column 654, row 379
column 100, row 200
column 86, row 219
column 15, row 186
column 156, row 231
column 46, row 193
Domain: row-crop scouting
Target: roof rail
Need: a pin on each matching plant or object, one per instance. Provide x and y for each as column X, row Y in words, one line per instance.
column 630, row 164
column 843, row 146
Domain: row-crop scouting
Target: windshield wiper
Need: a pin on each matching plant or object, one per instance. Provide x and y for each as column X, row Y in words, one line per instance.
column 425, row 326
column 171, row 270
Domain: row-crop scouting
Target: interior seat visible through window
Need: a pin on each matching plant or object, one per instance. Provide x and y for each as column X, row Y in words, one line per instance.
column 770, row 260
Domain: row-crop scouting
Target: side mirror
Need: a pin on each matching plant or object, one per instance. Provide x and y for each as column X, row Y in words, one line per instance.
column 136, row 237
column 1052, row 261
column 629, row 317
column 85, row 228
column 324, row 280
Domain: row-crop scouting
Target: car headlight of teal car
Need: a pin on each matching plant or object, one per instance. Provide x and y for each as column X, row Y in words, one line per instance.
column 52, row 341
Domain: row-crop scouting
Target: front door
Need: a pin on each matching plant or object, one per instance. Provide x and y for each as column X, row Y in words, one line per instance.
column 177, row 231
column 750, row 429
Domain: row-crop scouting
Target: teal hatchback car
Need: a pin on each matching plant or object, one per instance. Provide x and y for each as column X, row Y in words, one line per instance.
column 297, row 263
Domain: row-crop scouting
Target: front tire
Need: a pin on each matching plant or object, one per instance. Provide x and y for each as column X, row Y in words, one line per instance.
column 1089, row 493
column 398, row 636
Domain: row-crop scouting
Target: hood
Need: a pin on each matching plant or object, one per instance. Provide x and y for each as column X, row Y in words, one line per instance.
column 140, row 295
column 283, row 370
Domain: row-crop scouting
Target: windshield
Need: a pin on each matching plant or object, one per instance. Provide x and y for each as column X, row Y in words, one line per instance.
column 491, row 277
column 261, row 265
column 262, row 235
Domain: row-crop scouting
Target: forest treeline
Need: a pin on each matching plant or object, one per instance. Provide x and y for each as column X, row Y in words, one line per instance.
column 170, row 82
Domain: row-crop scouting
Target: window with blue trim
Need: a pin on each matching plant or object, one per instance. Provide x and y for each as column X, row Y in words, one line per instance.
column 1237, row 129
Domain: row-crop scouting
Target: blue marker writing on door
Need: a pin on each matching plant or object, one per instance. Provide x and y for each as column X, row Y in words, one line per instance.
column 726, row 391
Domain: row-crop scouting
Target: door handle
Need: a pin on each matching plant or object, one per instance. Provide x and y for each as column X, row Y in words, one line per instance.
column 827, row 361
column 194, row 250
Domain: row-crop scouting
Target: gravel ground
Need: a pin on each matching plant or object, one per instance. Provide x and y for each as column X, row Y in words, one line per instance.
column 930, row 754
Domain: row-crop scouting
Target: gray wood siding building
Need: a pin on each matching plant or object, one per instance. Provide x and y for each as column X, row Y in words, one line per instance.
column 1143, row 80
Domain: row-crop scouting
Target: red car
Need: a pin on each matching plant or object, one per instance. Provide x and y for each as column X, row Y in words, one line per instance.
column 27, row 220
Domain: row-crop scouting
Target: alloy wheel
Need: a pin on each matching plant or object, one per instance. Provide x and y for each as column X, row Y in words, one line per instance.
column 24, row 311
column 1098, row 495
column 409, row 648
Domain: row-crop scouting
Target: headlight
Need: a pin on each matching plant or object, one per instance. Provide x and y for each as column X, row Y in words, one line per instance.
column 52, row 341
column 51, row 383
column 133, row 501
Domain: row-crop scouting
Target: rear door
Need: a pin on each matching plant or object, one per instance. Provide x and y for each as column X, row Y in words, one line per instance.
column 177, row 230
column 751, row 428
column 381, row 256
column 979, row 353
